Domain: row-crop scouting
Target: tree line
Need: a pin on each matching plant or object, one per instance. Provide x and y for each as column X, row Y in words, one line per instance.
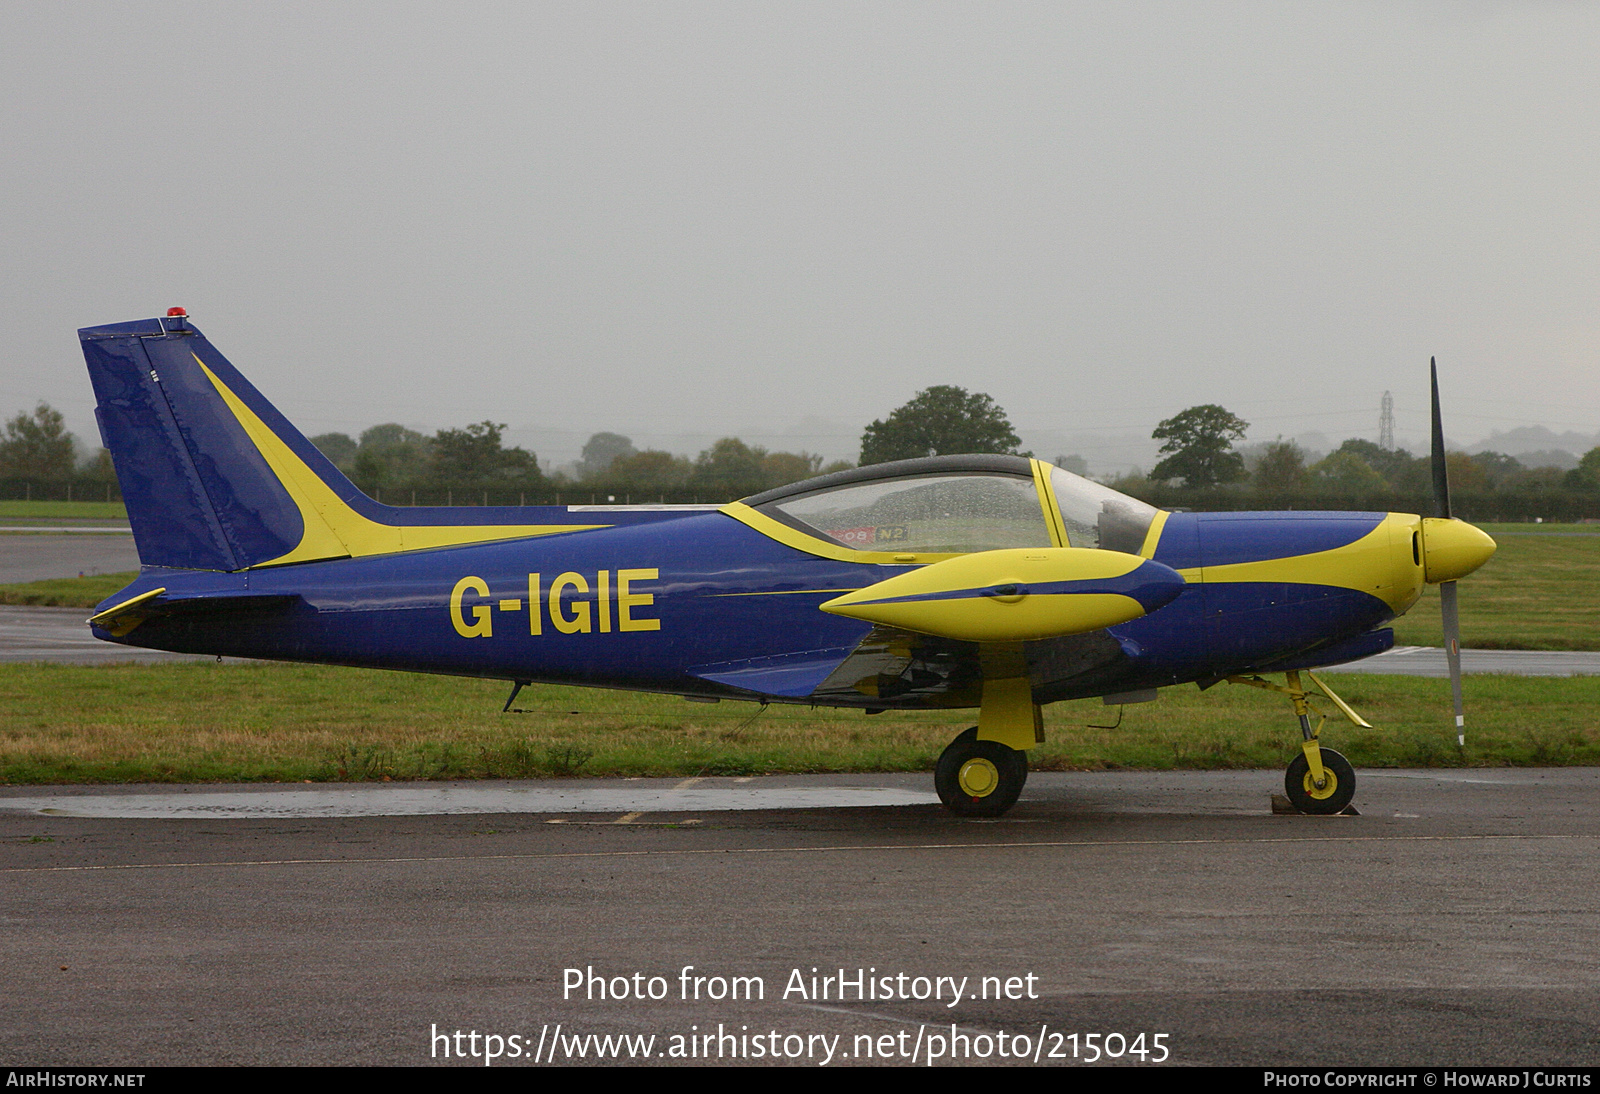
column 467, row 465
column 1202, row 470
column 1201, row 467
column 393, row 462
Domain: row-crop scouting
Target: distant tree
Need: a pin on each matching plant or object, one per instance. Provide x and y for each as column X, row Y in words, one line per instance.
column 730, row 468
column 339, row 448
column 37, row 445
column 1374, row 454
column 1540, row 479
column 650, row 470
column 475, row 455
column 1200, row 441
column 600, row 452
column 1465, row 474
column 1135, row 483
column 98, row 466
column 782, row 468
column 390, row 435
column 390, row 457
column 1399, row 469
column 1074, row 463
column 1281, row 467
column 1586, row 476
column 1497, row 467
column 1344, row 472
column 836, row 465
column 939, row 421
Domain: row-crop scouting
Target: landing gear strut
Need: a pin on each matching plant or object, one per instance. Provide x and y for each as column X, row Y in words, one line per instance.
column 983, row 778
column 979, row 778
column 1319, row 780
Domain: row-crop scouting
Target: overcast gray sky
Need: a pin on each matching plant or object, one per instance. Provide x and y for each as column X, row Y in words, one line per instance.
column 721, row 217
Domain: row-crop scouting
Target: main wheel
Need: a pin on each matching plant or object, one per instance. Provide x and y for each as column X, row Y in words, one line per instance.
column 1329, row 799
column 979, row 778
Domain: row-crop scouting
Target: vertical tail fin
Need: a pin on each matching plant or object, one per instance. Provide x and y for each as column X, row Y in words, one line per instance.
column 214, row 478
column 199, row 494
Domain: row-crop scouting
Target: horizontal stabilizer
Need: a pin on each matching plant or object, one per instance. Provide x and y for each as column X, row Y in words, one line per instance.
column 121, row 618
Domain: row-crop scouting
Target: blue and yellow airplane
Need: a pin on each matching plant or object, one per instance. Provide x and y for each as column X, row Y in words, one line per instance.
column 994, row 582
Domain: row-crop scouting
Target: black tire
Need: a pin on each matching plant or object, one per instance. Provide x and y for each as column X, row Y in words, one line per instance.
column 1004, row 769
column 972, row 735
column 1331, row 799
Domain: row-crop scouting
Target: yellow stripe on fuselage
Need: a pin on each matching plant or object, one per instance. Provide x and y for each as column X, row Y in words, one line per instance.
column 825, row 548
column 1152, row 535
column 1379, row 563
column 332, row 528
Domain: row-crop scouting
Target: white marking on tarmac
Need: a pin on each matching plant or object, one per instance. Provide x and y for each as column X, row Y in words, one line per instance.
column 389, row 801
column 1445, row 778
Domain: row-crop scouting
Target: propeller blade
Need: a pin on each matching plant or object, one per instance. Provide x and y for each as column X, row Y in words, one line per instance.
column 1452, row 650
column 1441, row 474
column 1448, row 607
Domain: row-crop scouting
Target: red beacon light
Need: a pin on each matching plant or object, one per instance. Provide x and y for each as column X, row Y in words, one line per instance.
column 177, row 313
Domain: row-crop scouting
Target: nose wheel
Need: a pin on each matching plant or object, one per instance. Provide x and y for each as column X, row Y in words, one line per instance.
column 1332, row 796
column 979, row 778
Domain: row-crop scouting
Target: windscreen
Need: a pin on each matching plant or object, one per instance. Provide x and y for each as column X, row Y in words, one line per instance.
column 934, row 514
column 1098, row 516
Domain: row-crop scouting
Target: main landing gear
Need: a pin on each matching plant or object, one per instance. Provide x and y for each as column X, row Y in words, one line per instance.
column 1319, row 780
column 983, row 778
column 979, row 778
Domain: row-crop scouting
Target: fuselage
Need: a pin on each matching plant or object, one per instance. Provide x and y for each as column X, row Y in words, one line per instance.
column 702, row 603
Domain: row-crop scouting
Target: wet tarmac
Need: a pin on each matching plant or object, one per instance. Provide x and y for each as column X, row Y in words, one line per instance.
column 44, row 556
column 62, row 636
column 1451, row 924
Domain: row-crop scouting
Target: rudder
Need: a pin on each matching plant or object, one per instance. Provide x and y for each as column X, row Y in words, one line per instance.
column 198, row 492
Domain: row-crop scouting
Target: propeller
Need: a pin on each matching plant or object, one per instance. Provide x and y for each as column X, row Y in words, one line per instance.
column 1448, row 605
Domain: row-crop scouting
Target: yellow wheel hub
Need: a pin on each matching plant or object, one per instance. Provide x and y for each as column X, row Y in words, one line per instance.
column 1330, row 783
column 978, row 778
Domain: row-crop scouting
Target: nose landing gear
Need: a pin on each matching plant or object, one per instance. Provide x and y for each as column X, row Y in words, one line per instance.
column 1319, row 780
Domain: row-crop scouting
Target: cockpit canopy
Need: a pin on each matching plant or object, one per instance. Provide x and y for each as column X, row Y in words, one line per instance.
column 959, row 505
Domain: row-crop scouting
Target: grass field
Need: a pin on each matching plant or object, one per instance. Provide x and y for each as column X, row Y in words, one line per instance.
column 1540, row 591
column 206, row 722
column 65, row 592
